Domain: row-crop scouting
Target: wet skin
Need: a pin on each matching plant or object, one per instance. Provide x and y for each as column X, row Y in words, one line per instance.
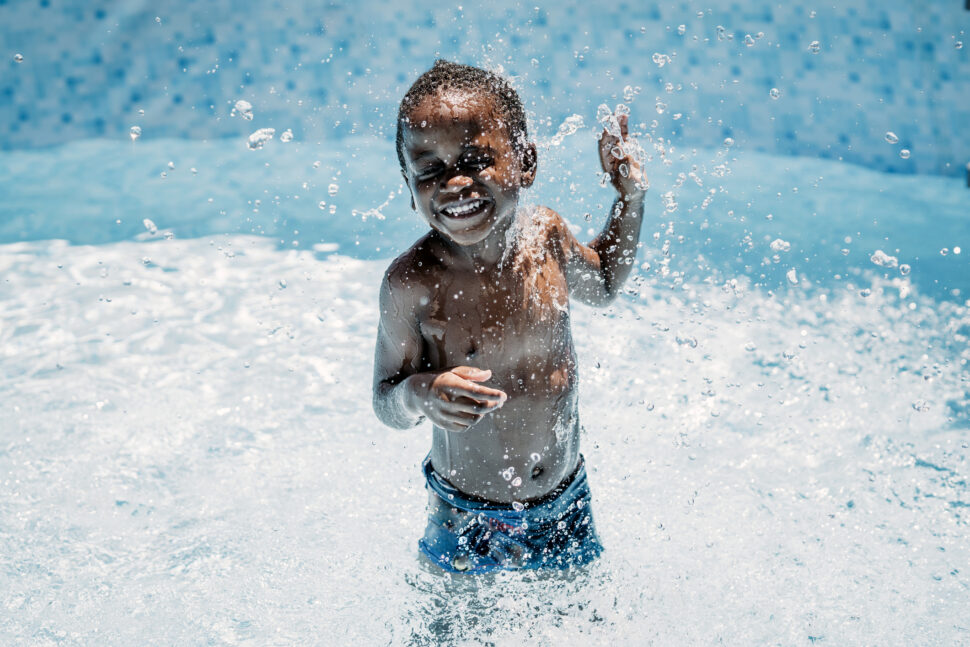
column 474, row 332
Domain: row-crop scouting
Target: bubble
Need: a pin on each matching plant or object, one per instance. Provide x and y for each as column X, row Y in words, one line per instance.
column 891, row 137
column 904, row 269
column 286, row 136
column 882, row 259
column 18, row 58
column 244, row 109
column 150, row 226
column 332, row 189
column 728, row 142
column 134, row 132
column 814, row 47
column 260, row 137
column 792, row 277
column 904, row 153
column 780, row 245
column 774, row 93
column 322, row 204
column 681, row 29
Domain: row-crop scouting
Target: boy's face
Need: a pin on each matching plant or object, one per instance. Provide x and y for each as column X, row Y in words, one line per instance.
column 460, row 165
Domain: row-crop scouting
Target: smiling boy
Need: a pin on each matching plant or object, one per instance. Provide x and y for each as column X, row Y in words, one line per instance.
column 474, row 333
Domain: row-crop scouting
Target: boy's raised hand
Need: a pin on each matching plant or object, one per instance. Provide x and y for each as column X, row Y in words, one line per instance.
column 453, row 400
column 634, row 180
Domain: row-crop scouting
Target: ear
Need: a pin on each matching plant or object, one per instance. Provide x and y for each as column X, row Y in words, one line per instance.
column 530, row 164
column 410, row 192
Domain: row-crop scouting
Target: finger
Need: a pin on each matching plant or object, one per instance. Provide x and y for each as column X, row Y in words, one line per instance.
column 472, row 373
column 624, row 121
column 467, row 405
column 457, row 421
column 476, row 392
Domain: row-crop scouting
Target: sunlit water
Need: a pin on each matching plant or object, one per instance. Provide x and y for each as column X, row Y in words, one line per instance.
column 188, row 453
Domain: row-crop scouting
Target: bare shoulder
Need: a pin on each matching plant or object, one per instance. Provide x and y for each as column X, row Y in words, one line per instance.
column 412, row 274
column 554, row 231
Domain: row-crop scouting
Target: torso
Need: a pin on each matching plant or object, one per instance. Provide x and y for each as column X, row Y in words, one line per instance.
column 514, row 321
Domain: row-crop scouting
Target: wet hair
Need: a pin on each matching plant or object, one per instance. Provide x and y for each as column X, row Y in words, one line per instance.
column 445, row 75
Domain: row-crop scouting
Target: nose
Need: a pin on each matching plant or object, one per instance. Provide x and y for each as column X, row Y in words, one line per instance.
column 457, row 182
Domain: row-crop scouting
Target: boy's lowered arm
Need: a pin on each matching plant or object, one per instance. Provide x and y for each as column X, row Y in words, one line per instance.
column 397, row 357
column 596, row 272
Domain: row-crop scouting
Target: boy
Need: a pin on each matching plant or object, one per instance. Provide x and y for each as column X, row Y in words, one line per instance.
column 474, row 332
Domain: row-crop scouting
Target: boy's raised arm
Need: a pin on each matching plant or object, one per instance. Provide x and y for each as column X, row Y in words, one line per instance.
column 596, row 272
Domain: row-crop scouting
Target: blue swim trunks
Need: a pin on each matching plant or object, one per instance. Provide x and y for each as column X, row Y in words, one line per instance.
column 473, row 536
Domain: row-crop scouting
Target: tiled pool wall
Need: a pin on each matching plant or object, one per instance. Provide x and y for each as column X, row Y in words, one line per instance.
column 326, row 70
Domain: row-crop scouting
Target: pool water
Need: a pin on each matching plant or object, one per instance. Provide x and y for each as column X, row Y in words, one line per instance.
column 776, row 436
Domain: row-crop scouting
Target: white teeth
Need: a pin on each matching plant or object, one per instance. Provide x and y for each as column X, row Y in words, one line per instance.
column 462, row 209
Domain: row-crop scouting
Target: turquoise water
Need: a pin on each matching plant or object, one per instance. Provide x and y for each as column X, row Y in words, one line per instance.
column 188, row 454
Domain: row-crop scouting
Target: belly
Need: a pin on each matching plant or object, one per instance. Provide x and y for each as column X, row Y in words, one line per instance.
column 521, row 451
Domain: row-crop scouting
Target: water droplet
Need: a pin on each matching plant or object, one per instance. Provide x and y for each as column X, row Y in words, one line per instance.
column 622, row 110
column 171, row 165
column 158, row 20
column 681, row 29
column 150, row 226
column 260, row 137
column 944, row 251
column 721, row 32
column 891, row 137
column 865, row 292
column 792, row 277
column 660, row 59
column 904, row 153
column 921, row 405
column 814, row 47
column 286, row 136
column 661, row 107
column 728, row 142
column 882, row 259
column 18, row 58
column 517, row 506
column 957, row 250
column 535, row 62
column 604, row 180
column 322, row 204
column 282, row 284
column 624, row 170
column 517, row 481
column 780, row 245
column 535, row 456
column 904, row 269
column 774, row 93
column 134, row 132
column 332, row 189
column 670, row 201
column 244, row 109
column 749, row 40
column 958, row 44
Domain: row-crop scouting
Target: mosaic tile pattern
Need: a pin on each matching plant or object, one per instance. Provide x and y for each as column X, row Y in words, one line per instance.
column 326, row 71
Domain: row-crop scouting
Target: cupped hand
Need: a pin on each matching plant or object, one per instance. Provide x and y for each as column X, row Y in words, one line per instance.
column 630, row 180
column 453, row 399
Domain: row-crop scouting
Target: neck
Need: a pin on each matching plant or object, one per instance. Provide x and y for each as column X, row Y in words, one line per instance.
column 486, row 253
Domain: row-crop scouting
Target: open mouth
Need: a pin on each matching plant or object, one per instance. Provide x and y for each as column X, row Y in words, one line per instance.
column 467, row 208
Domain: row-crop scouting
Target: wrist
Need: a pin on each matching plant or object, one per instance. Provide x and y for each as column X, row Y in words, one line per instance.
column 410, row 397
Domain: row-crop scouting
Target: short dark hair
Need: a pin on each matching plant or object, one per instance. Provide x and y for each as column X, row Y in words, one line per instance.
column 447, row 75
